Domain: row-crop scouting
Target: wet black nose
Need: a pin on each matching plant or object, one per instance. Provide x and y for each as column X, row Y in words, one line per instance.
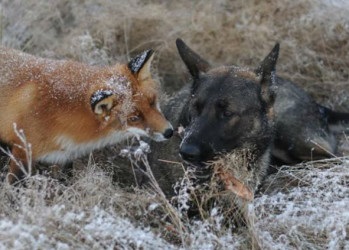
column 168, row 133
column 190, row 152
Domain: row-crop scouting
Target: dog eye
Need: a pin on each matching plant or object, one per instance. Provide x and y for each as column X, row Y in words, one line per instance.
column 227, row 114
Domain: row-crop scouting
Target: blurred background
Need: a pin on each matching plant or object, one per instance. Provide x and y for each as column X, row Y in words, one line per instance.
column 314, row 36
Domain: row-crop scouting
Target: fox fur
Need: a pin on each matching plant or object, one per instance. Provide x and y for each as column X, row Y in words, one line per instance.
column 66, row 109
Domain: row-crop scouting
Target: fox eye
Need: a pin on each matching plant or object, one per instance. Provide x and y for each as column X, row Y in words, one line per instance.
column 134, row 118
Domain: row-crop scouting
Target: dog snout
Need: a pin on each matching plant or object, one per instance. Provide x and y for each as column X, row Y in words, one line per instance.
column 190, row 152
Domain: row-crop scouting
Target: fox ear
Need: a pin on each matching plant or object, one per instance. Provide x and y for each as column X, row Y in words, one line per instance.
column 102, row 101
column 141, row 64
column 266, row 72
column 193, row 61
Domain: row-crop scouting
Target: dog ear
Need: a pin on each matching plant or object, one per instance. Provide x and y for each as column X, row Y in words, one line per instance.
column 102, row 101
column 193, row 61
column 266, row 72
column 141, row 64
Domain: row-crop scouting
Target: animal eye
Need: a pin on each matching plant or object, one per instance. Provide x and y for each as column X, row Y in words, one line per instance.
column 134, row 118
column 227, row 114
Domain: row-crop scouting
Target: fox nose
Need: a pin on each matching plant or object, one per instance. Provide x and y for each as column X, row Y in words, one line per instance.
column 190, row 152
column 168, row 133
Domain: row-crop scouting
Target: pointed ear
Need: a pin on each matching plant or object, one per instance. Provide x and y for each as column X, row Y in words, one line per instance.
column 102, row 101
column 141, row 64
column 266, row 72
column 193, row 61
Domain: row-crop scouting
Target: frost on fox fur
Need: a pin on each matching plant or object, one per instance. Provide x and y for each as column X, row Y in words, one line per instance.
column 71, row 150
column 68, row 109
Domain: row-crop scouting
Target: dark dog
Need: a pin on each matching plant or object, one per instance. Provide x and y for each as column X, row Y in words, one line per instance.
column 304, row 130
column 230, row 108
column 224, row 109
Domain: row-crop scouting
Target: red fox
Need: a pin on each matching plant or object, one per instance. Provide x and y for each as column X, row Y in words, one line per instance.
column 67, row 109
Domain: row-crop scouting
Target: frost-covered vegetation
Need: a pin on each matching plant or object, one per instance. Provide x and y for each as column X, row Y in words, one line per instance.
column 300, row 207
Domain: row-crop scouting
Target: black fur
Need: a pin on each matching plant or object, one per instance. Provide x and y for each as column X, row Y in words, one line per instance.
column 292, row 126
column 99, row 96
column 136, row 63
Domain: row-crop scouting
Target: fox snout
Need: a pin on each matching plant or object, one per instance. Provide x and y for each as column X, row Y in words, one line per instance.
column 168, row 133
column 164, row 134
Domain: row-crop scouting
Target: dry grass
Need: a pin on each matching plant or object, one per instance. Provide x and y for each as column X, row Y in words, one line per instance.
column 91, row 211
column 305, row 206
column 313, row 36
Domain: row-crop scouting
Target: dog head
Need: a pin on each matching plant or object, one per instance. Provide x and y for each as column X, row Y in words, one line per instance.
column 229, row 108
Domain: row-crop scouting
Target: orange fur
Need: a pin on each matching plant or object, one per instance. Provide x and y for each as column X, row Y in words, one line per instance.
column 51, row 102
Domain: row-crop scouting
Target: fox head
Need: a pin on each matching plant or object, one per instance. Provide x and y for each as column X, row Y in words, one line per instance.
column 229, row 107
column 130, row 101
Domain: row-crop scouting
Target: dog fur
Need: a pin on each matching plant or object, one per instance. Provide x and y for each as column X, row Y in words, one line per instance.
column 278, row 120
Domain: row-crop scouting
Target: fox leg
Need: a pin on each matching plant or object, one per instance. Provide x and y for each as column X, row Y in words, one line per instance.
column 20, row 161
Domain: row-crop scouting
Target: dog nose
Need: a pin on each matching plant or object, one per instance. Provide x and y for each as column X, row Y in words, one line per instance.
column 190, row 152
column 168, row 133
